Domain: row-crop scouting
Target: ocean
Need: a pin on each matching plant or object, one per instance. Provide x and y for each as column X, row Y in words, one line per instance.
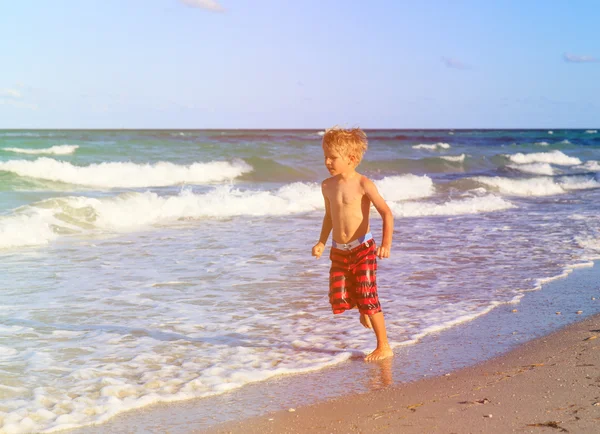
column 156, row 266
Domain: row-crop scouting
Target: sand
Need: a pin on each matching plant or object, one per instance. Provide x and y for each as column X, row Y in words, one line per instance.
column 531, row 369
column 551, row 384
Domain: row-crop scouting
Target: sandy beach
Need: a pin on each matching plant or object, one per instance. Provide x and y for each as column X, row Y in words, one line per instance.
column 532, row 366
column 551, row 384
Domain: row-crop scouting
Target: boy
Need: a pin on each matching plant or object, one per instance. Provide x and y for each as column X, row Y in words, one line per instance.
column 348, row 198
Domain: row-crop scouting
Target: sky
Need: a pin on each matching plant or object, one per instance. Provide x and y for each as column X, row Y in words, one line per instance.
column 299, row 64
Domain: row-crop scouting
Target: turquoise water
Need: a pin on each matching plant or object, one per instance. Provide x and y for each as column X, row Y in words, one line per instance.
column 149, row 266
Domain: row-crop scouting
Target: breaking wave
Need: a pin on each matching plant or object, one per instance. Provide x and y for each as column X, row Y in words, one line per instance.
column 54, row 150
column 539, row 186
column 552, row 157
column 433, row 147
column 128, row 175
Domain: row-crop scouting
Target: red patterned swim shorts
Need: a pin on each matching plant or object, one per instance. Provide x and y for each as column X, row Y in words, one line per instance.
column 352, row 279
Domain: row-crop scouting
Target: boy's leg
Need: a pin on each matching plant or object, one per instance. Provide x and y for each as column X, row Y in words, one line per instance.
column 366, row 321
column 383, row 350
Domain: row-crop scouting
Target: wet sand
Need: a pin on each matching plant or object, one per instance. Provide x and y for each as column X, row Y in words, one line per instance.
column 523, row 363
column 551, row 384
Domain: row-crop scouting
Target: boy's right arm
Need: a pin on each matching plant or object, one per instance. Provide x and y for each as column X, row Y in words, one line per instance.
column 326, row 227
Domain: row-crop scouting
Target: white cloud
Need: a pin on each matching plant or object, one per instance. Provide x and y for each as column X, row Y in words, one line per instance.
column 18, row 104
column 211, row 5
column 574, row 58
column 454, row 63
column 10, row 93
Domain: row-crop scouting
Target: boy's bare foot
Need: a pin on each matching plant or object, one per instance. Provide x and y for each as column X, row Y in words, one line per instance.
column 366, row 321
column 380, row 354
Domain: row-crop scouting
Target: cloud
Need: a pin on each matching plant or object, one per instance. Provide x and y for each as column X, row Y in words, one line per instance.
column 574, row 58
column 10, row 93
column 211, row 5
column 18, row 104
column 454, row 63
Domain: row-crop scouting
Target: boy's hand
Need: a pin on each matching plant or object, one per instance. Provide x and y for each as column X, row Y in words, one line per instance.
column 317, row 250
column 383, row 252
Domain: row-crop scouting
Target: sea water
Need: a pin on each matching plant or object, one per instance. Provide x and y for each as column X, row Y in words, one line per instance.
column 154, row 266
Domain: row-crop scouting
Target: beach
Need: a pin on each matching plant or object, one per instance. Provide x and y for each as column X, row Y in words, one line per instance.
column 523, row 364
column 551, row 384
column 164, row 277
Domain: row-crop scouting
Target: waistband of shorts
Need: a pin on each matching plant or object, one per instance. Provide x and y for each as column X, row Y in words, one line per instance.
column 352, row 244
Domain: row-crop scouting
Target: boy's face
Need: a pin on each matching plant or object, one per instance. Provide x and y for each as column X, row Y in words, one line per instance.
column 335, row 162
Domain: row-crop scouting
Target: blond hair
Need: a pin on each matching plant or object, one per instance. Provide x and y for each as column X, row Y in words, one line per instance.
column 349, row 143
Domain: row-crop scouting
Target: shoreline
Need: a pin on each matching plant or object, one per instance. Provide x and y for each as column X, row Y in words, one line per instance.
column 468, row 346
column 549, row 384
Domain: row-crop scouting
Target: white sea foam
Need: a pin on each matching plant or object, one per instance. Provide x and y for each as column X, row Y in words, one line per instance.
column 550, row 132
column 591, row 131
column 473, row 205
column 591, row 165
column 535, row 168
column 539, row 186
column 589, row 243
column 578, row 183
column 42, row 222
column 454, row 158
column 54, row 150
column 397, row 188
column 432, row 147
column 121, row 174
column 542, row 143
column 552, row 157
column 32, row 227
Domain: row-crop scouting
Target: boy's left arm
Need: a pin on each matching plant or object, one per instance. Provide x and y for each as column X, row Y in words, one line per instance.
column 383, row 251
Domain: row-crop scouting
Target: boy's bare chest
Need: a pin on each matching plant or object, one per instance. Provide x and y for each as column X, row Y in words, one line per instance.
column 347, row 197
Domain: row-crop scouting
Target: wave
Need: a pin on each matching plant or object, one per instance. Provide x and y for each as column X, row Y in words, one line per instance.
column 454, row 158
column 406, row 187
column 433, row 147
column 55, row 150
column 535, row 168
column 472, row 205
column 591, row 165
column 268, row 170
column 552, row 157
column 540, row 186
column 591, row 131
column 542, row 143
column 127, row 175
column 437, row 164
column 21, row 134
column 42, row 222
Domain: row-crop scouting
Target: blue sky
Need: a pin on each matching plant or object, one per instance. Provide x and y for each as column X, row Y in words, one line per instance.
column 299, row 64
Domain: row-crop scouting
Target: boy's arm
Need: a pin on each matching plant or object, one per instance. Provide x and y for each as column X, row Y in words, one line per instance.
column 326, row 227
column 383, row 251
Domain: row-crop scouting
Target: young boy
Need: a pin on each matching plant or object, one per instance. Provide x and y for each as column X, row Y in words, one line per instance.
column 348, row 198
